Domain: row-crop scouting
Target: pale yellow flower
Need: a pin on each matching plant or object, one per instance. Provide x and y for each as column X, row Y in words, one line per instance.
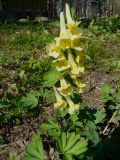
column 65, row 89
column 60, row 104
column 61, row 57
column 75, row 69
column 72, row 25
column 77, row 42
column 80, row 90
column 53, row 50
column 72, row 107
column 64, row 40
column 79, row 56
column 80, row 85
column 62, row 65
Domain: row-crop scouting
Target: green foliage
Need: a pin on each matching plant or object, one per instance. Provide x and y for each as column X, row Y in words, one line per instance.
column 101, row 25
column 30, row 100
column 23, row 55
column 1, row 140
column 56, row 24
column 70, row 145
column 102, row 52
column 34, row 149
column 50, row 78
column 91, row 133
column 100, row 116
column 105, row 90
column 53, row 129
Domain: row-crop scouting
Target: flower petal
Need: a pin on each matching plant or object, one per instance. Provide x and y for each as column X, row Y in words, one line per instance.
column 62, row 65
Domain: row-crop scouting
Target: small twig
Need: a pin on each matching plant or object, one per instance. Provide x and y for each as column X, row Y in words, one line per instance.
column 109, row 122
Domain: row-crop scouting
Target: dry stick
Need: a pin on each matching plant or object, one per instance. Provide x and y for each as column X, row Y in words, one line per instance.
column 109, row 122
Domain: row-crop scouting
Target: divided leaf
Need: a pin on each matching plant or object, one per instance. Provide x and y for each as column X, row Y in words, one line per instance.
column 52, row 128
column 34, row 149
column 100, row 116
column 70, row 145
column 29, row 100
column 91, row 133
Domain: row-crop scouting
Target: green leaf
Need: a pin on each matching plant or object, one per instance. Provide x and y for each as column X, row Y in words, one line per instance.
column 100, row 116
column 34, row 149
column 46, row 127
column 50, row 78
column 79, row 124
column 21, row 74
column 74, row 118
column 91, row 125
column 29, row 158
column 68, row 157
column 63, row 140
column 70, row 140
column 56, row 24
column 78, row 148
column 59, row 143
column 29, row 100
column 62, row 113
column 74, row 146
column 55, row 125
column 91, row 133
column 117, row 96
column 53, row 128
column 105, row 91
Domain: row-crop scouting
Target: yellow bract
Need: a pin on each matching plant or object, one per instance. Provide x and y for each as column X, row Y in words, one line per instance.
column 63, row 43
column 65, row 89
column 76, row 42
column 62, row 65
column 72, row 26
column 64, row 40
column 53, row 50
column 80, row 85
column 79, row 56
column 72, row 107
column 75, row 69
column 60, row 104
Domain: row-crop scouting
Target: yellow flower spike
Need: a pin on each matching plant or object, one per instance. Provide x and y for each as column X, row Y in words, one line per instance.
column 74, row 68
column 72, row 107
column 73, row 27
column 60, row 104
column 62, row 65
column 65, row 89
